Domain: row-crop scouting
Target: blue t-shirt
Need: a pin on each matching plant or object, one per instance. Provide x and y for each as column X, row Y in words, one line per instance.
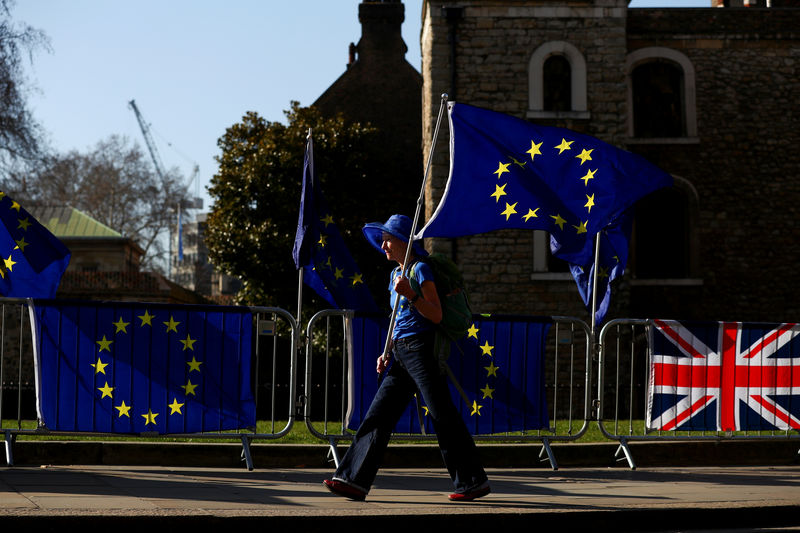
column 409, row 321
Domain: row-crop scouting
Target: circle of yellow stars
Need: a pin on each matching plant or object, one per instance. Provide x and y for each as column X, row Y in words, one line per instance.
column 533, row 211
column 23, row 223
column 322, row 245
column 104, row 345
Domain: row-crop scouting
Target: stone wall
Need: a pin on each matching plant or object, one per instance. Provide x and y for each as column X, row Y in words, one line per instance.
column 742, row 163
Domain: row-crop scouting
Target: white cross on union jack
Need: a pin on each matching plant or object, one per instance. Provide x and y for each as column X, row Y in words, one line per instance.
column 747, row 375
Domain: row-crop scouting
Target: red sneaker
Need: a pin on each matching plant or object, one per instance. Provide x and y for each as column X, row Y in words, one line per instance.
column 341, row 488
column 474, row 494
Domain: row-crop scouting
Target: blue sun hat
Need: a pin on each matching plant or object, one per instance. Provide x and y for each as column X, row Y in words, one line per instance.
column 398, row 226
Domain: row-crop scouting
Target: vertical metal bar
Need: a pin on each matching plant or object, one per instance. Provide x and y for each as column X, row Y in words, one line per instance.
column 19, row 372
column 257, row 361
column 2, row 359
column 571, row 377
column 616, row 387
column 630, row 397
column 274, row 394
column 555, row 384
column 327, row 370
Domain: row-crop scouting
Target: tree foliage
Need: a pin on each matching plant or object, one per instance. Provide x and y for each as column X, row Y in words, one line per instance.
column 256, row 197
column 20, row 135
column 116, row 184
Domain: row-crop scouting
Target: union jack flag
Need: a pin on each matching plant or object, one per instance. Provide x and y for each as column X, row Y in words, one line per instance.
column 724, row 376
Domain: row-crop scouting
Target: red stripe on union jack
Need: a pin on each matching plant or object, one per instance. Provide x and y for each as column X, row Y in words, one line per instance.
column 724, row 376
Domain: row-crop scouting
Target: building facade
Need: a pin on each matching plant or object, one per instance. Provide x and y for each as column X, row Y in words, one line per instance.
column 707, row 94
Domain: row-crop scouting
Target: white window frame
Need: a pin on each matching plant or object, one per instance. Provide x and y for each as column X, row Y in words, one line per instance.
column 577, row 76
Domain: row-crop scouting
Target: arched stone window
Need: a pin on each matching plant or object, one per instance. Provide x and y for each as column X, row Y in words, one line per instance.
column 557, row 82
column 664, row 241
column 661, row 96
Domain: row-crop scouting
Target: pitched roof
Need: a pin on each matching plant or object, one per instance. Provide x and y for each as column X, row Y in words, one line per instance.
column 66, row 221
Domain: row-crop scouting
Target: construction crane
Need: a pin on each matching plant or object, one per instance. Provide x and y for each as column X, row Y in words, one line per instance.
column 148, row 140
column 184, row 203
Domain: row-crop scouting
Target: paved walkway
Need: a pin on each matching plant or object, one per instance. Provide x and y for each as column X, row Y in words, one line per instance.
column 591, row 499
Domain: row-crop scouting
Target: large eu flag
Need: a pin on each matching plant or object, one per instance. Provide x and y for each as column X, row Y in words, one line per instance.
column 320, row 251
column 509, row 173
column 33, row 259
column 499, row 366
column 133, row 368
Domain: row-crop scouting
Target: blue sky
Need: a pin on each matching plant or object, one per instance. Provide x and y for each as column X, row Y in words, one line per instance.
column 194, row 67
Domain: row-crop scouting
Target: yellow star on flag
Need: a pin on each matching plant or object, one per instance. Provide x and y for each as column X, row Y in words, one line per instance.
column 565, row 145
column 188, row 343
column 357, row 278
column 589, row 176
column 150, row 417
column 491, row 369
column 487, row 392
column 323, row 240
column 327, row 220
column 189, row 388
column 472, row 331
column 23, row 223
column 510, row 210
column 520, row 164
column 559, row 221
column 534, row 149
column 476, row 409
column 105, row 344
column 194, row 364
column 338, row 273
column 99, row 367
column 121, row 325
column 531, row 214
column 9, row 263
column 581, row 227
column 106, row 390
column 21, row 244
column 146, row 318
column 584, row 156
column 124, row 410
column 15, row 205
column 499, row 191
column 589, row 202
column 175, row 407
column 501, row 169
column 486, row 349
column 172, row 325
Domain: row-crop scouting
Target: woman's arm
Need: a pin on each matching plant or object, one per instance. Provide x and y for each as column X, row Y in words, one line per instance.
column 427, row 304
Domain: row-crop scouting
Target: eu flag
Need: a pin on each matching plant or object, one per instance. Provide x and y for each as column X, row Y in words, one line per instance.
column 126, row 367
column 33, row 259
column 320, row 251
column 509, row 173
column 499, row 366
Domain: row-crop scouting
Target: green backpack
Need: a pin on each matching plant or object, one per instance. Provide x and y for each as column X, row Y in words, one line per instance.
column 456, row 312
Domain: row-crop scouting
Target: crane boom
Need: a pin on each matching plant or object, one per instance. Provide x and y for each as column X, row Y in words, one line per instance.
column 148, row 140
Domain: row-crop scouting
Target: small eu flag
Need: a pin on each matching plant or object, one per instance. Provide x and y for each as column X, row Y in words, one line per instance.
column 319, row 249
column 509, row 173
column 123, row 367
column 32, row 259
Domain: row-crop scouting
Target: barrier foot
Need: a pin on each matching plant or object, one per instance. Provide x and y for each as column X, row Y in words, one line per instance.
column 246, row 457
column 333, row 452
column 9, row 440
column 623, row 447
column 549, row 451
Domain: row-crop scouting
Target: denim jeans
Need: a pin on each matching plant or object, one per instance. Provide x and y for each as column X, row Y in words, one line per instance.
column 415, row 368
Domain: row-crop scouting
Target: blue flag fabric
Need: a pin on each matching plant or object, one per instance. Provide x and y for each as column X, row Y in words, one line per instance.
column 499, row 365
column 126, row 367
column 33, row 260
column 509, row 173
column 320, row 251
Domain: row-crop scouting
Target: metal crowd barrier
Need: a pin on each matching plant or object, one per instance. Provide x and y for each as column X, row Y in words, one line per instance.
column 568, row 378
column 273, row 370
column 625, row 355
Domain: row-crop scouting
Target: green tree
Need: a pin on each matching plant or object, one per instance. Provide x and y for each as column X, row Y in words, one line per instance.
column 256, row 197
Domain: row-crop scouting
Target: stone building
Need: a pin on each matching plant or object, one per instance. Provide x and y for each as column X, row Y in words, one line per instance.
column 381, row 88
column 707, row 94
